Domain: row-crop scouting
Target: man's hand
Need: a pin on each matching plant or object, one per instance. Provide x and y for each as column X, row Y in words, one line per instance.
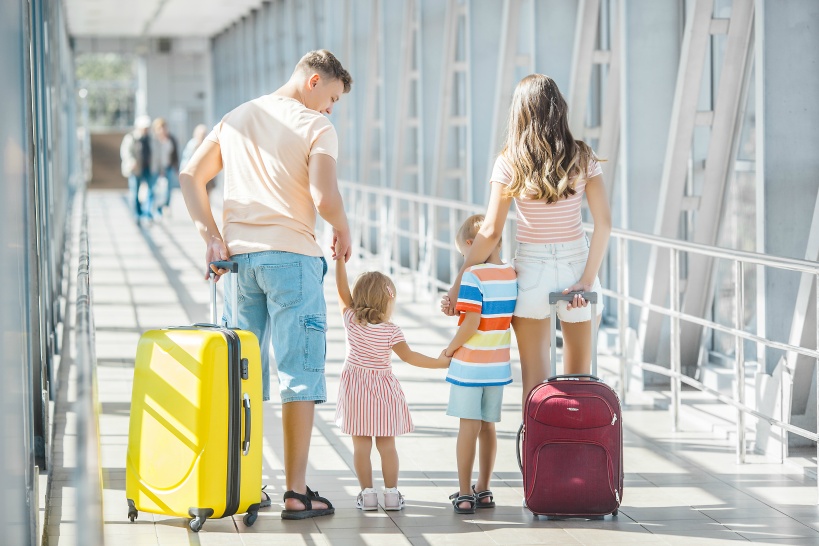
column 216, row 252
column 342, row 245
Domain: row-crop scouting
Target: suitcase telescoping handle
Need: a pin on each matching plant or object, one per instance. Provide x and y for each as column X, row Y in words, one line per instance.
column 232, row 267
column 555, row 297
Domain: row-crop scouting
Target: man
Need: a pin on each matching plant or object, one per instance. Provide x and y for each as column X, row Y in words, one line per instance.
column 168, row 154
column 279, row 154
column 140, row 164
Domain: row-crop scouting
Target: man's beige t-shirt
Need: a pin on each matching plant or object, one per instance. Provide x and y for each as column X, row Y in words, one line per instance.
column 266, row 144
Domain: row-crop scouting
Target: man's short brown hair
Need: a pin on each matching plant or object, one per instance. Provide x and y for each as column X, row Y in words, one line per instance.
column 326, row 64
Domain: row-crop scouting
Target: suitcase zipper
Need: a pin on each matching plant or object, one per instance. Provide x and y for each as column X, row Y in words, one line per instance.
column 234, row 421
column 613, row 418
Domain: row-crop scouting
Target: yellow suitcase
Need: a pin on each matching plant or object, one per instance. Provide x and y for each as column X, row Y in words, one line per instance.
column 195, row 436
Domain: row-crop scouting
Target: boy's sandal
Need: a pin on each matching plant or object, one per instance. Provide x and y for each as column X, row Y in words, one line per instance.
column 307, row 500
column 265, row 498
column 479, row 495
column 457, row 499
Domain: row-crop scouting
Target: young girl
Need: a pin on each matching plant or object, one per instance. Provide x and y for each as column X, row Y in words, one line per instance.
column 546, row 172
column 371, row 403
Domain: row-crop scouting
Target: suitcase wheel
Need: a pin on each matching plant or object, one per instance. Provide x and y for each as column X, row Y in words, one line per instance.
column 195, row 524
column 615, row 512
column 250, row 518
column 133, row 514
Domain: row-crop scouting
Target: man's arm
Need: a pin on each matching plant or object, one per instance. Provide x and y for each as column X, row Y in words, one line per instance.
column 465, row 331
column 202, row 167
column 327, row 198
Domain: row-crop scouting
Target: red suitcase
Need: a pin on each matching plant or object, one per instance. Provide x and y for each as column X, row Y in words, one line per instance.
column 572, row 454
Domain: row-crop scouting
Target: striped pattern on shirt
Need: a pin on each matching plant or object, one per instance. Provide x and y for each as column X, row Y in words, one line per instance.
column 540, row 222
column 370, row 345
column 483, row 360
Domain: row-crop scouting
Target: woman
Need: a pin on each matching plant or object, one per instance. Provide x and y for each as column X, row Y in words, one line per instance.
column 546, row 172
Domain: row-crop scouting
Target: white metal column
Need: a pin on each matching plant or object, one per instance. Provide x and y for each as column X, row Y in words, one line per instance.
column 453, row 150
column 723, row 121
column 510, row 59
column 585, row 57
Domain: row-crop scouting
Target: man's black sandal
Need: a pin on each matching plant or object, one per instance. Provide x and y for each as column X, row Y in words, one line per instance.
column 457, row 499
column 479, row 495
column 307, row 500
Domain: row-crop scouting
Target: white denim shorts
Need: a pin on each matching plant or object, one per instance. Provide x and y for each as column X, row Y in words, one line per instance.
column 553, row 267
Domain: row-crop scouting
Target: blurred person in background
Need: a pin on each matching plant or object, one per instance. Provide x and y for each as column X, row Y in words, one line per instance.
column 140, row 164
column 199, row 134
column 168, row 153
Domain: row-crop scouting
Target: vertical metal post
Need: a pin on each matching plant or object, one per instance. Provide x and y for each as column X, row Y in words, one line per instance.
column 816, row 295
column 622, row 317
column 739, row 361
column 674, row 296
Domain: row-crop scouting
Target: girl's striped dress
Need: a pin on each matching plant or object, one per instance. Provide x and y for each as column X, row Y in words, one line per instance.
column 370, row 399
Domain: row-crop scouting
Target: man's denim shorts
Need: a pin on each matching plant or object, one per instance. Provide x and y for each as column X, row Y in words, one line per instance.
column 281, row 300
column 544, row 268
column 479, row 403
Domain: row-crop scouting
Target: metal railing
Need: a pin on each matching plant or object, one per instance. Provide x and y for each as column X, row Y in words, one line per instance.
column 414, row 233
column 88, row 477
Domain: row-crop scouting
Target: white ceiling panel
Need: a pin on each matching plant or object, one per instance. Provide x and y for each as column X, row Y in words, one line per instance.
column 171, row 18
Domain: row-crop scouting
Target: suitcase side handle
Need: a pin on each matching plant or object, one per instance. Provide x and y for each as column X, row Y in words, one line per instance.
column 246, row 441
column 517, row 447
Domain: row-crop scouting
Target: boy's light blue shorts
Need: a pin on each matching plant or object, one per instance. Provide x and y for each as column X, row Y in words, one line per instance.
column 479, row 403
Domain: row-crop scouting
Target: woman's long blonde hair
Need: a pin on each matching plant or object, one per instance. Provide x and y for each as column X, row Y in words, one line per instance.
column 372, row 293
column 546, row 160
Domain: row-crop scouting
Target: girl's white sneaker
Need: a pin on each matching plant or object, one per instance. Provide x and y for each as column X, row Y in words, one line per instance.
column 393, row 499
column 367, row 499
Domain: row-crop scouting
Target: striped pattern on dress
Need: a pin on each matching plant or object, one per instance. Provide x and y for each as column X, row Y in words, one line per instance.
column 490, row 290
column 540, row 222
column 370, row 399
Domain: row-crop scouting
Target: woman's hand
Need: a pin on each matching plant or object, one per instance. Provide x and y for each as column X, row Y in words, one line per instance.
column 578, row 300
column 449, row 300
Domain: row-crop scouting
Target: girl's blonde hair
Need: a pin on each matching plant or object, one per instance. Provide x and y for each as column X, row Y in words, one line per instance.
column 372, row 293
column 546, row 160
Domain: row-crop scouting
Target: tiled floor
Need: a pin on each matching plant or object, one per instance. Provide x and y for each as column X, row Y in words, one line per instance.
column 682, row 488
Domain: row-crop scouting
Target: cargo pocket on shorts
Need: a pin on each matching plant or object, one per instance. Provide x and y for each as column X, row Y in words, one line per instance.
column 315, row 341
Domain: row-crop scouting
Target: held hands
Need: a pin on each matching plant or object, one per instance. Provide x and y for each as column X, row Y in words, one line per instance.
column 444, row 359
column 448, row 301
column 342, row 245
column 216, row 251
column 578, row 301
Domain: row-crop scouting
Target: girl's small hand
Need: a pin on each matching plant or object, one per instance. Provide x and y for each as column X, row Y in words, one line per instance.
column 578, row 301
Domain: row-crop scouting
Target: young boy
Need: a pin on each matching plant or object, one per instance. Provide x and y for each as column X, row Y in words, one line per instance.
column 480, row 366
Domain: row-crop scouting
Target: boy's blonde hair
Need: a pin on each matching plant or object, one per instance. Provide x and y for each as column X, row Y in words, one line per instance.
column 372, row 293
column 470, row 228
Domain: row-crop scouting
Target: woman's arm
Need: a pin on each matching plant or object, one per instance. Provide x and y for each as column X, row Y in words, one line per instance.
column 601, row 214
column 345, row 298
column 417, row 359
column 485, row 241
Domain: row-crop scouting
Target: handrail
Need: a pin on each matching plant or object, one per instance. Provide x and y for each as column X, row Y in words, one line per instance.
column 88, row 476
column 425, row 225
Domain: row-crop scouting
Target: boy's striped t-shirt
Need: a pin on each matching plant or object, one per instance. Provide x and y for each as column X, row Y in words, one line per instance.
column 483, row 360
